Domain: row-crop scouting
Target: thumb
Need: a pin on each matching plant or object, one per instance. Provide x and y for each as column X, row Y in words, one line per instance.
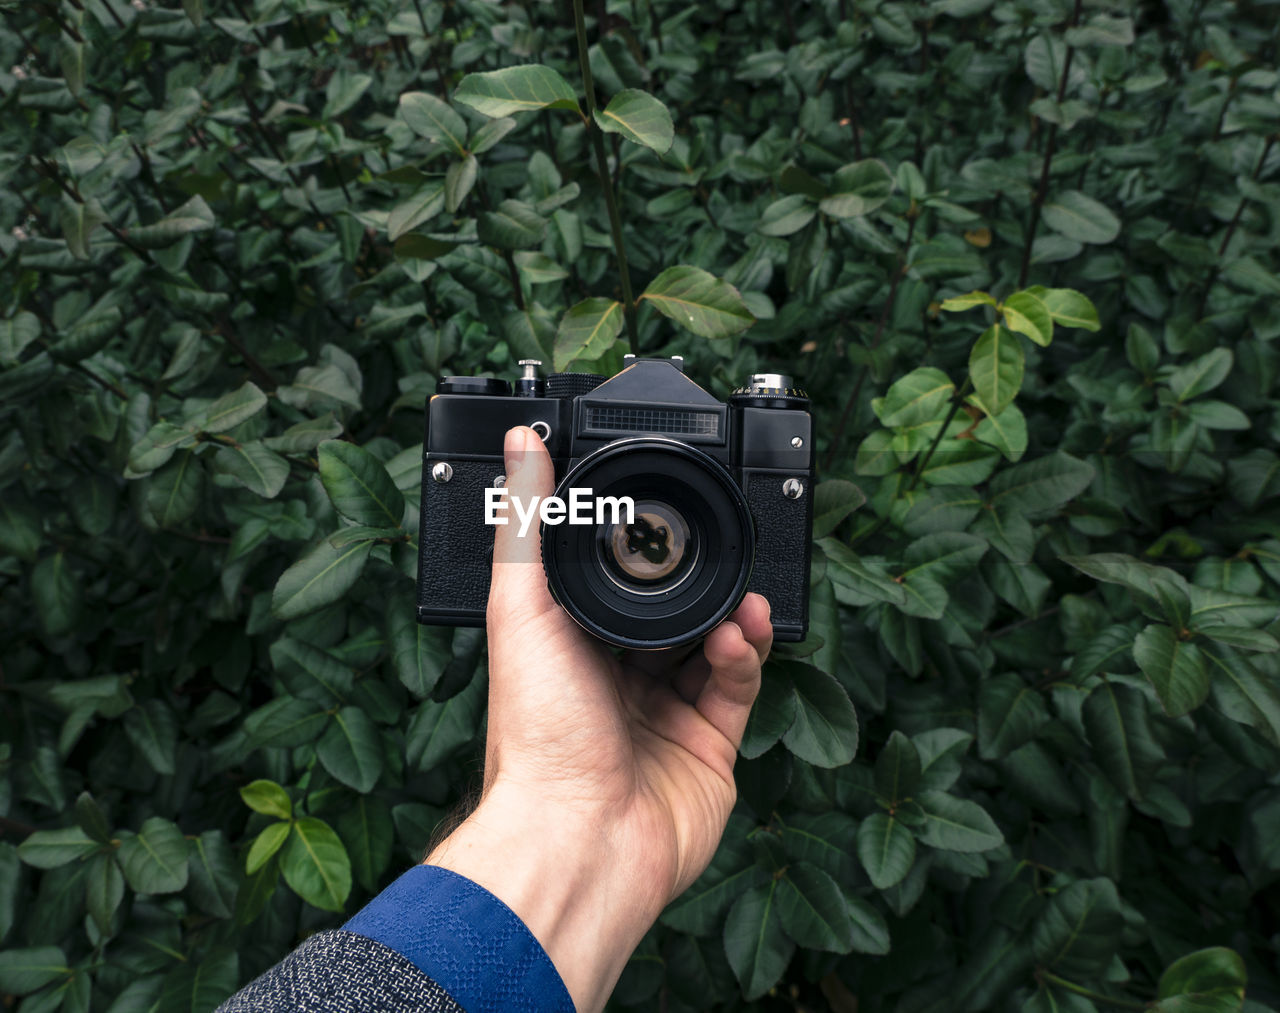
column 518, row 588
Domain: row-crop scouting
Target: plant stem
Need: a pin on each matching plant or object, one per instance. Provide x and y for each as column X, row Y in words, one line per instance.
column 606, row 184
column 1080, row 990
column 1042, row 189
column 1231, row 230
column 956, row 401
column 887, row 309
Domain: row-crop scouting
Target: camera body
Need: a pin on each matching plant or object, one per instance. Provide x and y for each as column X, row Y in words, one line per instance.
column 724, row 493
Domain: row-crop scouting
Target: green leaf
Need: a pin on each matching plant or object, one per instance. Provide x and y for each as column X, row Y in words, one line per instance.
column 897, row 769
column 1207, row 981
column 916, row 398
column 960, row 303
column 1243, row 693
column 285, row 721
column 434, row 119
column 1102, row 30
column 773, row 712
column 56, row 595
column 316, row 866
column 1040, row 486
column 995, row 367
column 1201, row 375
column 513, row 225
column 955, row 824
column 174, row 491
column 153, row 730
column 786, row 215
column 813, row 911
column 1239, row 636
column 824, row 839
column 1026, row 314
column 265, row 846
column 155, row 859
column 587, row 331
column 17, row 333
column 858, row 189
column 490, row 134
column 23, row 971
column 825, row 730
column 638, row 117
column 1009, row 714
column 215, row 878
column 1006, row 430
column 1070, row 308
column 91, row 819
column 1079, row 931
column 755, row 942
column 1119, row 729
column 71, row 61
column 157, row 447
column 366, row 829
column 439, row 728
column 319, row 578
column 418, row 209
column 351, row 749
column 104, row 891
column 194, row 216
column 200, row 984
column 1080, row 217
column 48, row 849
column 359, row 486
column 459, row 179
column 343, row 91
column 1176, row 668
column 419, row 653
column 253, row 466
column 699, row 302
column 230, row 410
column 79, row 221
column 886, row 849
column 268, row 798
column 858, row 582
column 833, row 501
column 516, row 89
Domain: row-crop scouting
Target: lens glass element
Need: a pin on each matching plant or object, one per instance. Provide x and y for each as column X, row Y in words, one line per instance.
column 653, row 554
column 673, row 570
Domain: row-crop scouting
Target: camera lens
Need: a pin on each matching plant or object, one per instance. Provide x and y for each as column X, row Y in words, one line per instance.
column 669, row 571
column 652, row 554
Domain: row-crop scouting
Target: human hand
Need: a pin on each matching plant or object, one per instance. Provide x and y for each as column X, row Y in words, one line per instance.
column 608, row 781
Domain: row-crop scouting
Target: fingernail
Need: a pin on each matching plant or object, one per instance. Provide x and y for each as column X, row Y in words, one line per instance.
column 513, row 449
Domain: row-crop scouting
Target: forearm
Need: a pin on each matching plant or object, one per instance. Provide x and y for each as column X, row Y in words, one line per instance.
column 562, row 880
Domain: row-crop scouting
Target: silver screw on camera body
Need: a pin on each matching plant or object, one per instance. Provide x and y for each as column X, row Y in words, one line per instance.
column 442, row 471
column 797, row 442
column 542, row 429
column 793, row 488
column 500, row 481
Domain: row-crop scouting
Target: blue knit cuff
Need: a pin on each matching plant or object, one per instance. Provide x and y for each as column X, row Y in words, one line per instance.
column 466, row 940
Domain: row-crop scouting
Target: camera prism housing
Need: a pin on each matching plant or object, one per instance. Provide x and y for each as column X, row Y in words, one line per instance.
column 722, row 497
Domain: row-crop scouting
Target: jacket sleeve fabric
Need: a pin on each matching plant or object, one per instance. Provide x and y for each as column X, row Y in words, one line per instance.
column 433, row 941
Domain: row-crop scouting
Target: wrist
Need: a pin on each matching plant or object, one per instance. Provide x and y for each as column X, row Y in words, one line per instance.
column 560, row 875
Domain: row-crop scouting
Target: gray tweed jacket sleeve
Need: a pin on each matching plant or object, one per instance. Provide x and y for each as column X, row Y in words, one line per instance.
column 342, row 972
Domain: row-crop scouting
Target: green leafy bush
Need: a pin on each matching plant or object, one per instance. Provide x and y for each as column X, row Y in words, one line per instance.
column 1022, row 254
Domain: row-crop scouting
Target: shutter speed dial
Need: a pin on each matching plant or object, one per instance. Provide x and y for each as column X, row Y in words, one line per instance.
column 770, row 390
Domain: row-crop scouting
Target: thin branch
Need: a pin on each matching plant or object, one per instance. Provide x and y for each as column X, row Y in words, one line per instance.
column 602, row 170
column 1042, row 188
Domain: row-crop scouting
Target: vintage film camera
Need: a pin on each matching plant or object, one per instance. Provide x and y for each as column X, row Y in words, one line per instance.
column 723, row 497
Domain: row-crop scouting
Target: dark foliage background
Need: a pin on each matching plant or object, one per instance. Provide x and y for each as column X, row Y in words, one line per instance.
column 234, row 261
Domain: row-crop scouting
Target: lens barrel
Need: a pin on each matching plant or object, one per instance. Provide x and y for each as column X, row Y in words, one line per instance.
column 676, row 570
